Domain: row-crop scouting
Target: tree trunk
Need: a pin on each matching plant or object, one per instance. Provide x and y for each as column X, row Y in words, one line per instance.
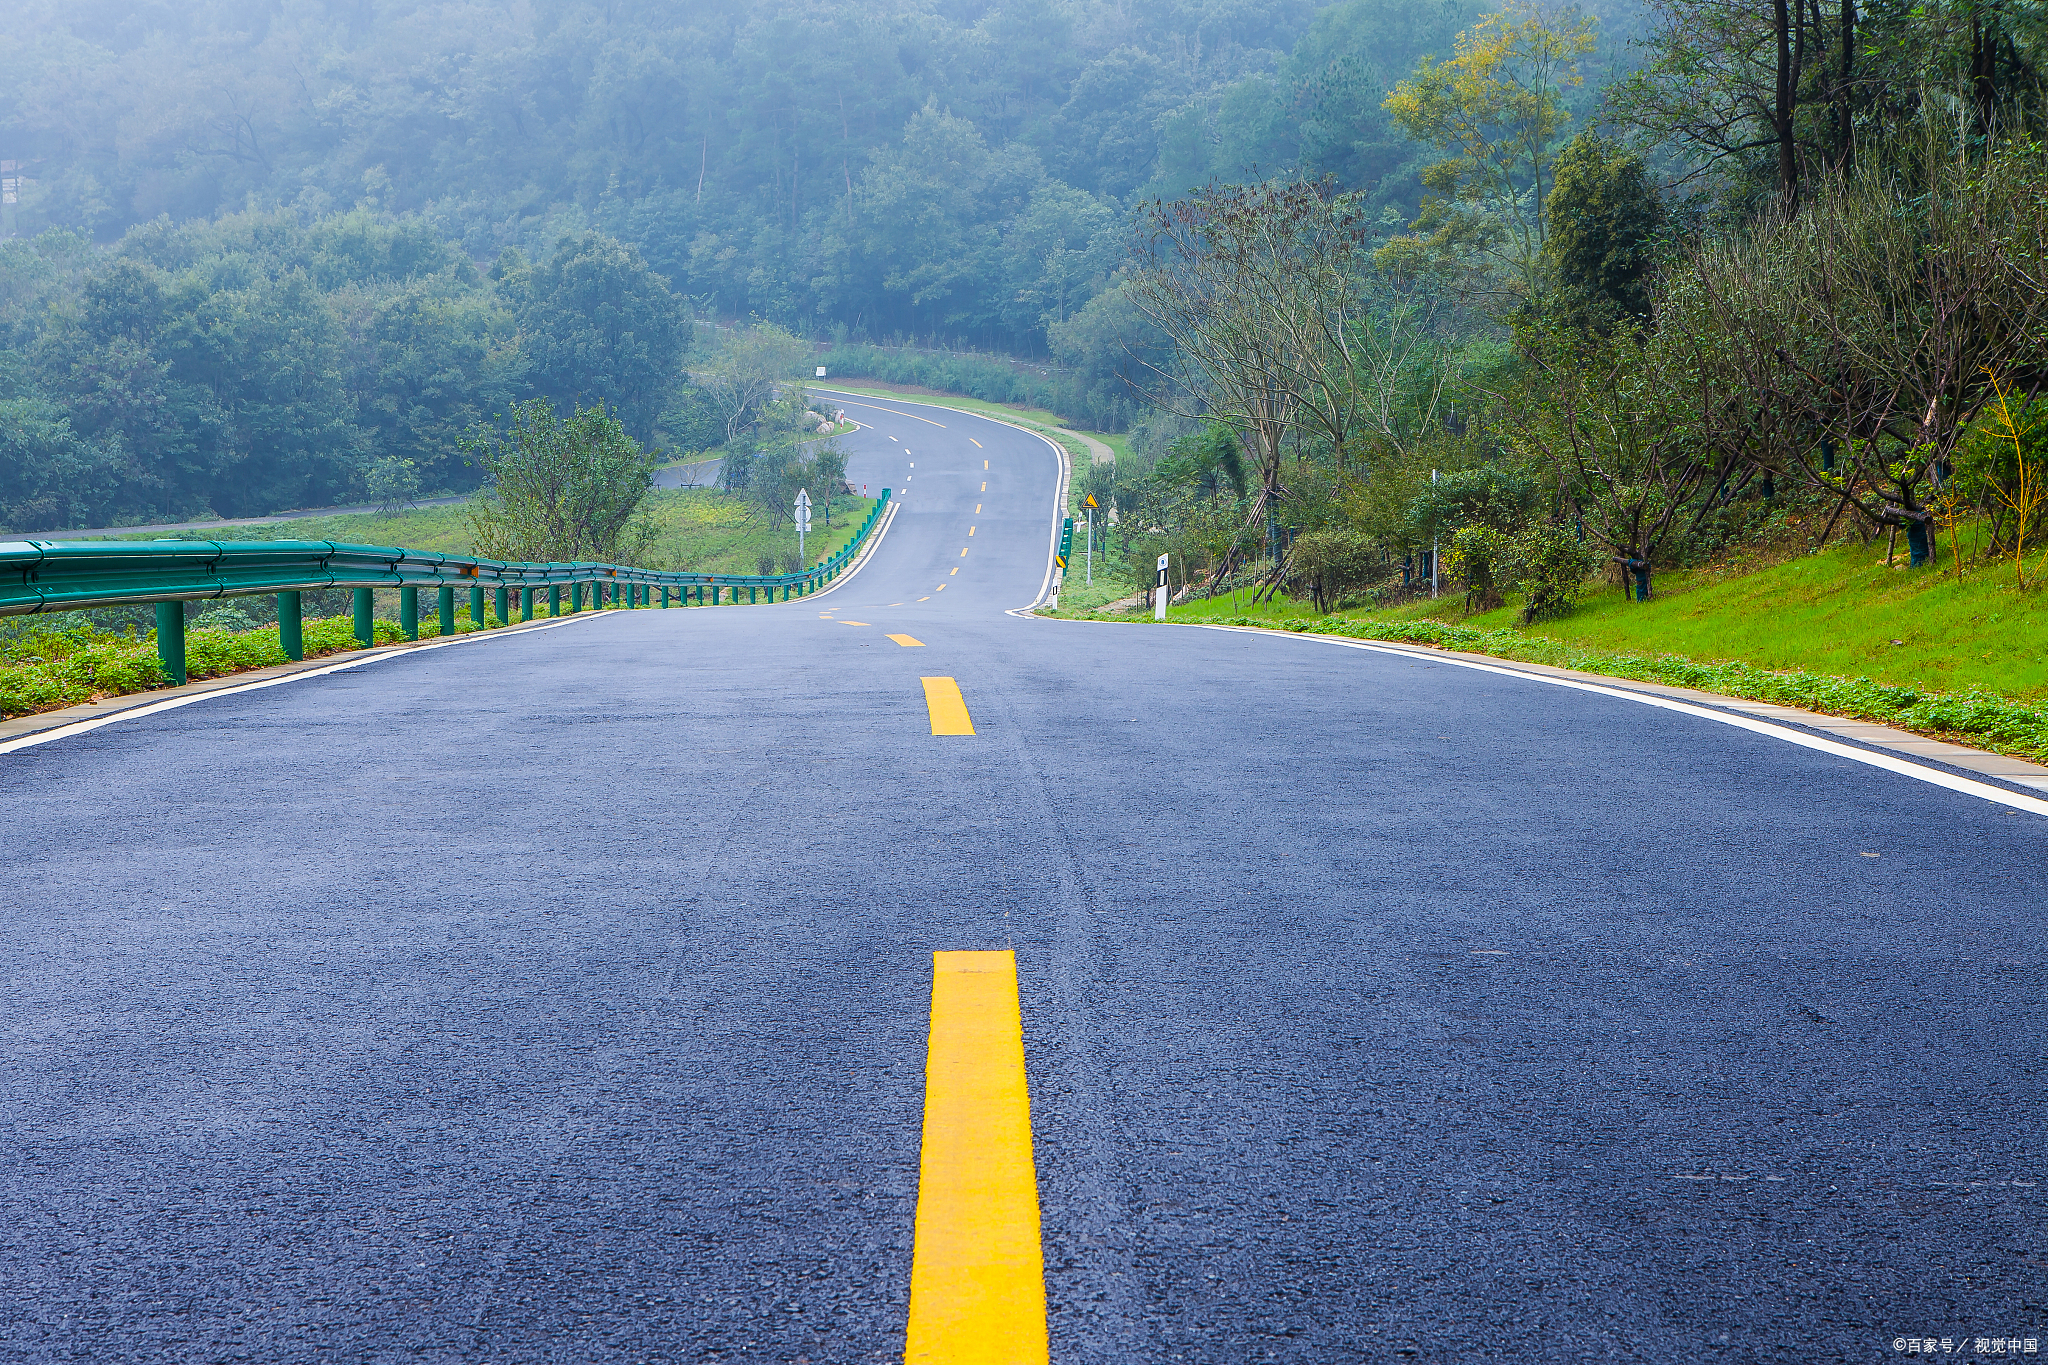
column 1786, row 100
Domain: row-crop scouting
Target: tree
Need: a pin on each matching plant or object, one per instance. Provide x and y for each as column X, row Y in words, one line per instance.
column 1604, row 220
column 598, row 326
column 560, row 489
column 1852, row 344
column 1258, row 288
column 741, row 376
column 393, row 484
column 1611, row 418
column 1496, row 108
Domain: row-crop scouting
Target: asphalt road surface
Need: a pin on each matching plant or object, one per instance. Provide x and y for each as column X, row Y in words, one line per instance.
column 563, row 996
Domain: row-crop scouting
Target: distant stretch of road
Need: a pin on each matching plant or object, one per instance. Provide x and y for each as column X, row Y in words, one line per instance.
column 566, row 996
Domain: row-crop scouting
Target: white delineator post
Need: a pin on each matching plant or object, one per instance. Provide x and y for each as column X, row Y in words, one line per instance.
column 803, row 518
column 1159, row 593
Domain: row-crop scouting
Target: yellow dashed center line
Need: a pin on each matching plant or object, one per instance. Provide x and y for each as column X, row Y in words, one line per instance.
column 954, row 572
column 940, row 588
column 977, row 512
column 853, row 623
column 984, row 463
column 970, row 531
column 977, row 1274
column 977, row 444
column 908, row 642
column 924, row 599
column 963, row 552
column 948, row 708
column 984, row 488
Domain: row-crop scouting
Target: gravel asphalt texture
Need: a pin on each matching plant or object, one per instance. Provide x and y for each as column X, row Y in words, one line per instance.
column 561, row 996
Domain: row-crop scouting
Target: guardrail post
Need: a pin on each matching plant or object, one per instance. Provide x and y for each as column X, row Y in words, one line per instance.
column 409, row 611
column 170, row 640
column 504, row 605
column 554, row 600
column 447, row 605
column 575, row 598
column 291, row 635
column 751, row 600
column 366, row 629
column 476, row 605
column 664, row 594
column 526, row 604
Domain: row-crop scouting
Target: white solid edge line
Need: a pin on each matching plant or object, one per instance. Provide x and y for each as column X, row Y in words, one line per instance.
column 374, row 657
column 1890, row 763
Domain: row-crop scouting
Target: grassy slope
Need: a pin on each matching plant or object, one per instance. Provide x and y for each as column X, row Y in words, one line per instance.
column 1838, row 612
column 699, row 529
column 1816, row 632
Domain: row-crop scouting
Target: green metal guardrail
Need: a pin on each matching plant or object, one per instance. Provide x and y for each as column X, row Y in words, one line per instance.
column 39, row 576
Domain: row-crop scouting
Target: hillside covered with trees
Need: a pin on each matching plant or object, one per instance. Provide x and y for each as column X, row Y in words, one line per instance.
column 254, row 252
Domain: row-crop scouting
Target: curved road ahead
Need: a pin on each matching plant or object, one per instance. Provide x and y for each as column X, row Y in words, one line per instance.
column 563, row 996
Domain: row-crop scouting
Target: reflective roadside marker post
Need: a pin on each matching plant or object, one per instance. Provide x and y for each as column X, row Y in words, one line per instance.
column 1159, row 593
column 803, row 512
column 1060, row 560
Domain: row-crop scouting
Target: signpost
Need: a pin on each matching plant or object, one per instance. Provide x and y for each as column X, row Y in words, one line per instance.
column 1059, row 560
column 1159, row 593
column 1092, row 505
column 821, row 372
column 803, row 519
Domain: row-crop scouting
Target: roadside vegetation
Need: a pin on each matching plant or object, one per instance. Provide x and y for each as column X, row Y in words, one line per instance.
column 561, row 488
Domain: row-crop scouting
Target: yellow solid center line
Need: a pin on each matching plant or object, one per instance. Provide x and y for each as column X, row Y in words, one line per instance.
column 908, row 642
column 949, row 709
column 977, row 1274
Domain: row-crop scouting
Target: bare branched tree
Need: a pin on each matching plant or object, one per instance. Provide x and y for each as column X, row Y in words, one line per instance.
column 1615, row 419
column 1853, row 343
column 1258, row 287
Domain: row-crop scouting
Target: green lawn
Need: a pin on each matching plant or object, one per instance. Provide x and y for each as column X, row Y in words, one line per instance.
column 701, row 530
column 1962, row 657
column 1840, row 612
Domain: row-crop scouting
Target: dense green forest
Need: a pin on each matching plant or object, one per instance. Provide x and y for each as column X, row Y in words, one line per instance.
column 1542, row 288
column 254, row 251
